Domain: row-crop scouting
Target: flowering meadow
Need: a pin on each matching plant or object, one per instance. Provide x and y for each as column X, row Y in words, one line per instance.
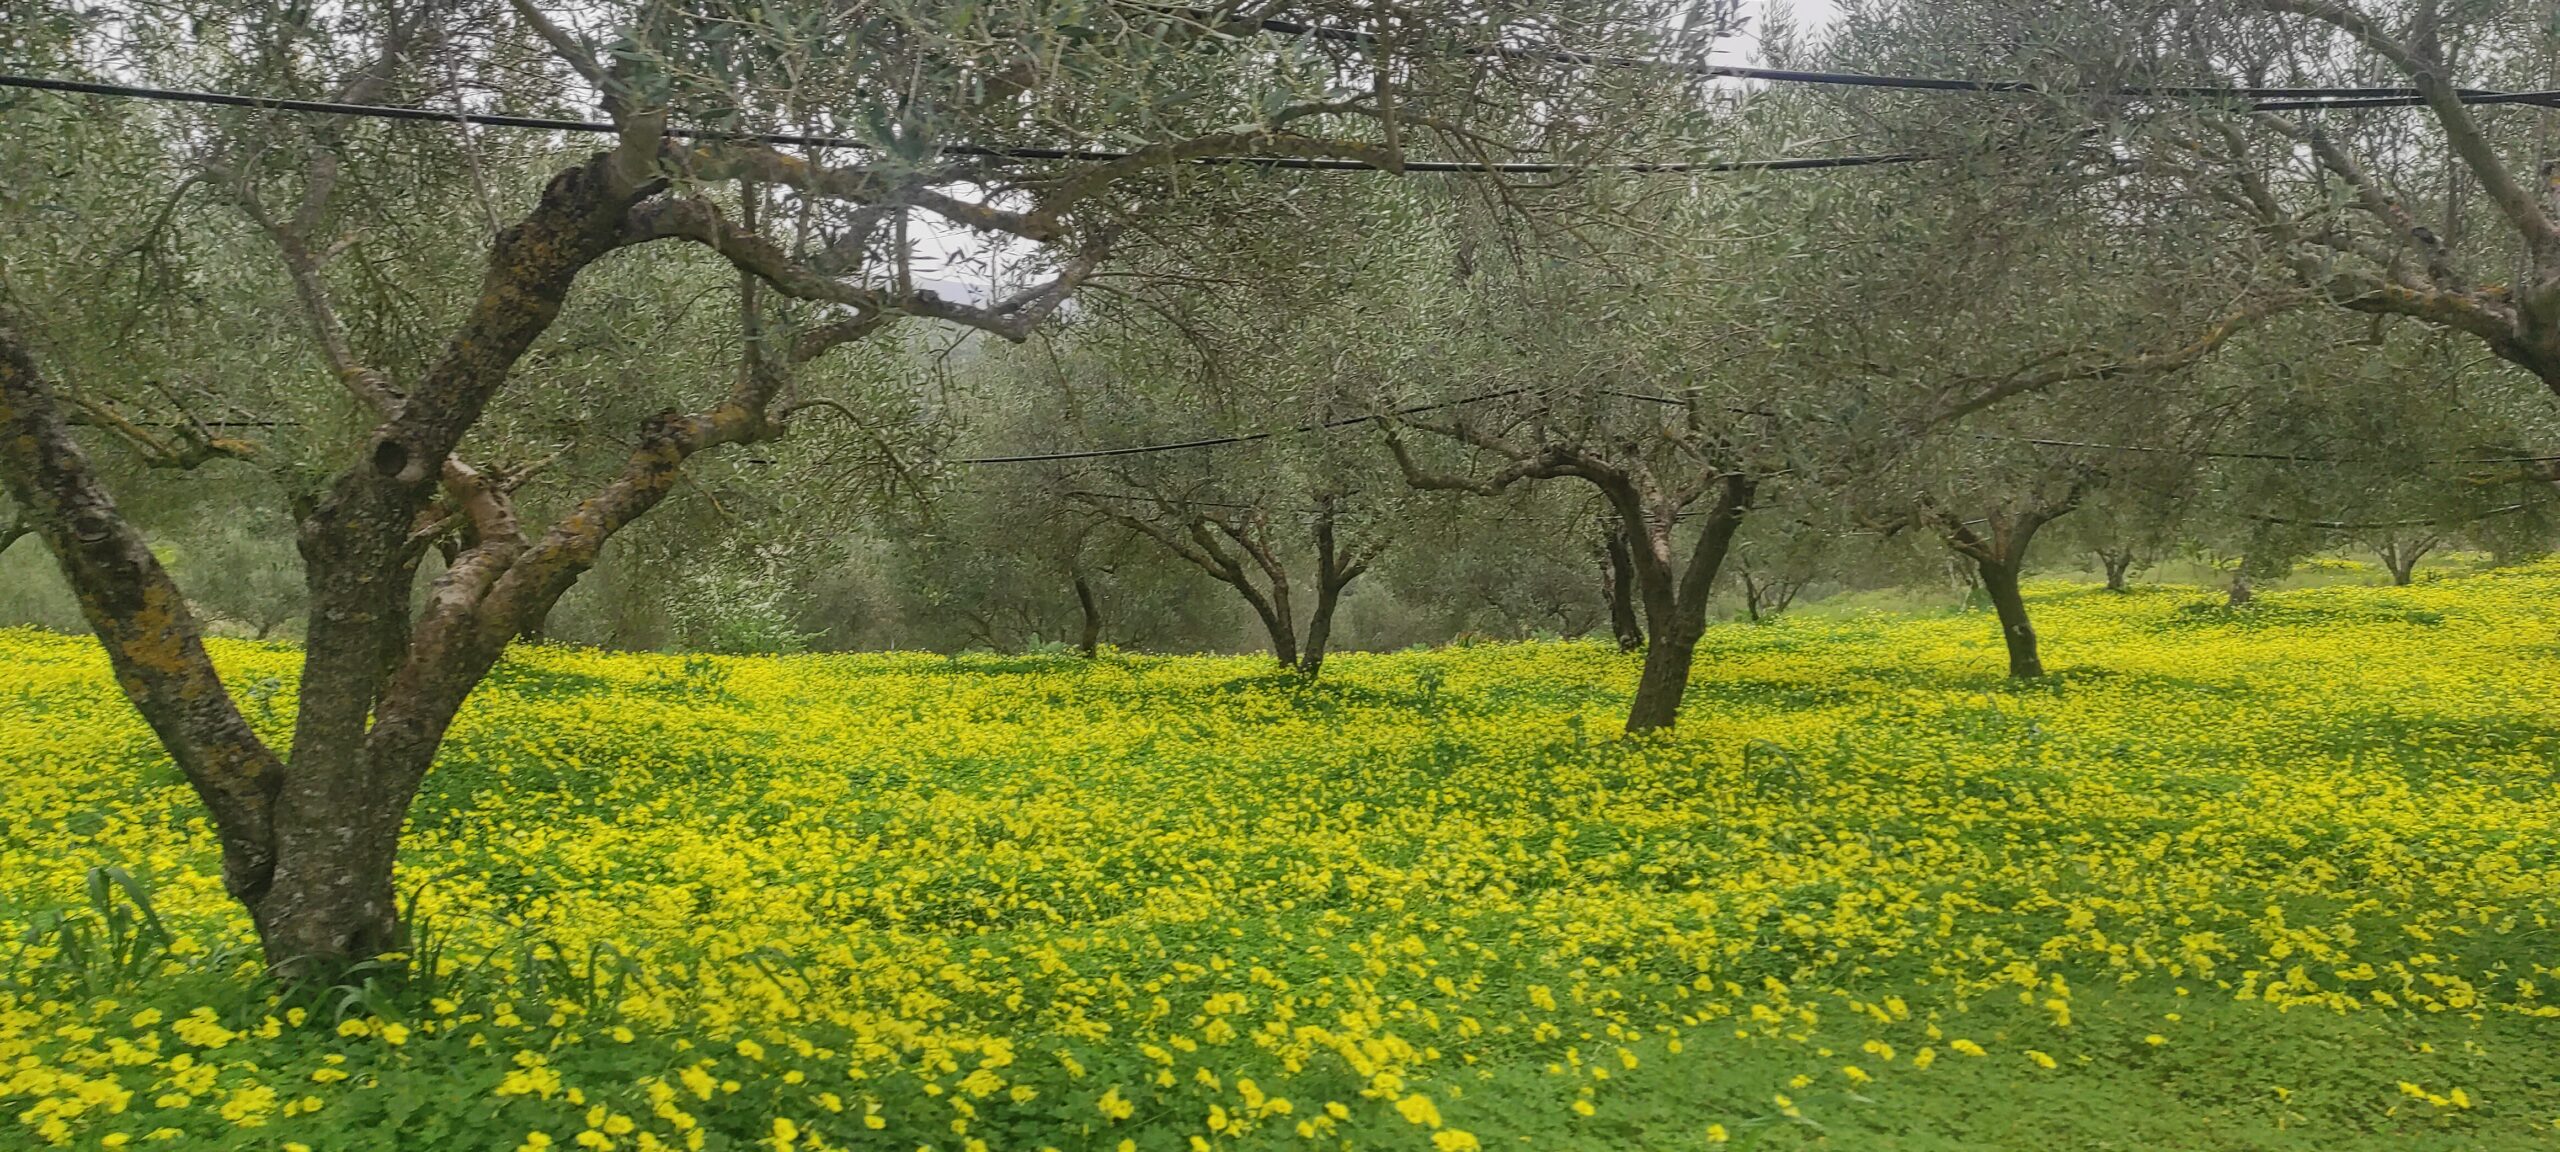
column 2281, row 877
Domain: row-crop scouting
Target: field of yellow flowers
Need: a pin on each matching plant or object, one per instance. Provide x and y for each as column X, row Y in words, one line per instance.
column 2280, row 878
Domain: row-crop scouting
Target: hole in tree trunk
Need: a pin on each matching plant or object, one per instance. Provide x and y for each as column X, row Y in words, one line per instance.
column 390, row 457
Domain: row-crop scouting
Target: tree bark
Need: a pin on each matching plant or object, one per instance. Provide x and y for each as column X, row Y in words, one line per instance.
column 1091, row 641
column 2240, row 593
column 2402, row 558
column 1999, row 557
column 2117, row 565
column 2000, row 582
column 1664, row 683
column 1277, row 624
column 1675, row 602
column 1618, row 587
column 1335, row 570
column 309, row 843
column 152, row 639
column 1319, row 632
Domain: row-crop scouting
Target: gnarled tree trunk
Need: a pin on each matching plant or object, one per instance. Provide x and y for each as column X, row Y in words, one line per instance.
column 309, row 842
column 2401, row 557
column 1999, row 556
column 2118, row 563
column 1675, row 600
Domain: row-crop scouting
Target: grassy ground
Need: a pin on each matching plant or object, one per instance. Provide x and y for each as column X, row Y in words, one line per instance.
column 2271, row 879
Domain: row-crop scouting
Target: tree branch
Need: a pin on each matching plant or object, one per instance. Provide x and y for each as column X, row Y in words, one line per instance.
column 151, row 637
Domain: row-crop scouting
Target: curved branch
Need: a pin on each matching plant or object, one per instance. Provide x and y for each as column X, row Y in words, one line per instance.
column 151, row 637
column 2462, row 130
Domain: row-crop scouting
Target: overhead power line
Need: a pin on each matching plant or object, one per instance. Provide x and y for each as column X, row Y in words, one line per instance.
column 1238, row 438
column 2260, row 98
column 997, row 152
column 1352, row 421
column 2271, row 457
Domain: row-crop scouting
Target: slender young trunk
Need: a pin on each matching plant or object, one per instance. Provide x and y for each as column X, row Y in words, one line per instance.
column 2000, row 582
column 1618, row 587
column 1091, row 641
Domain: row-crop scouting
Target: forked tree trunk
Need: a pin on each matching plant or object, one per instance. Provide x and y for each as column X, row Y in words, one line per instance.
column 2402, row 558
column 1335, row 570
column 1090, row 641
column 1675, row 600
column 1207, row 545
column 1999, row 557
column 308, row 844
column 2117, row 565
column 1673, row 595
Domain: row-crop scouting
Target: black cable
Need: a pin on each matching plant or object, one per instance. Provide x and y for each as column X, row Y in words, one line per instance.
column 1239, row 438
column 2265, row 99
column 1305, row 163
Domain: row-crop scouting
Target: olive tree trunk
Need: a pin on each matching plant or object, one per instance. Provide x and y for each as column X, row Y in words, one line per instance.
column 1618, row 588
column 2118, row 564
column 1998, row 551
column 2401, row 557
column 1089, row 641
column 2000, row 583
column 1675, row 602
column 1236, row 550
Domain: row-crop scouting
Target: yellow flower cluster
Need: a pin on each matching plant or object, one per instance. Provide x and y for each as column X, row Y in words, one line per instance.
column 1004, row 903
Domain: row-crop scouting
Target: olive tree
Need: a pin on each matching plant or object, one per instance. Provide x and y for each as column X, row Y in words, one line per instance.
column 926, row 100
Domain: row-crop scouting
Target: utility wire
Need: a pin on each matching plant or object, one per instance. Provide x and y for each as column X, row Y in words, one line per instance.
column 2261, row 98
column 1350, row 421
column 1239, row 438
column 2205, row 453
column 2275, row 457
column 2371, row 525
column 995, row 152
